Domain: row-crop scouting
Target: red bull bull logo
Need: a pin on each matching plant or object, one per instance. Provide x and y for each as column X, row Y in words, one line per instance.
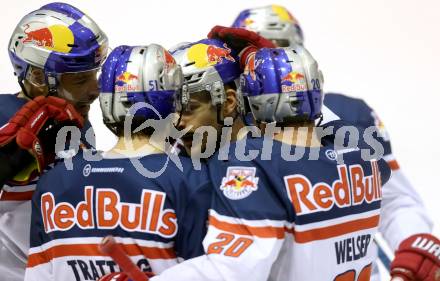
column 204, row 55
column 295, row 82
column 169, row 60
column 57, row 38
column 251, row 65
column 129, row 81
column 239, row 182
column 126, row 77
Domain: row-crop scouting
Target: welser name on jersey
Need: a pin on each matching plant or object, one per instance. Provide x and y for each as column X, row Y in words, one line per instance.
column 352, row 249
column 352, row 188
column 108, row 212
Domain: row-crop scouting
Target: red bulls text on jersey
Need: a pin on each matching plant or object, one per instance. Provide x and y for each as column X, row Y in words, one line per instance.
column 352, row 188
column 148, row 216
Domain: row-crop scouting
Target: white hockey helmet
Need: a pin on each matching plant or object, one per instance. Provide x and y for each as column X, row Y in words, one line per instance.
column 273, row 22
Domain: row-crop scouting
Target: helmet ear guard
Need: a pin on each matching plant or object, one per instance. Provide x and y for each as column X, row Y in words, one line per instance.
column 315, row 80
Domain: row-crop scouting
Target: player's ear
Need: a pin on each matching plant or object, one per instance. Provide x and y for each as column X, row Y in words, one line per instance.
column 230, row 106
column 35, row 82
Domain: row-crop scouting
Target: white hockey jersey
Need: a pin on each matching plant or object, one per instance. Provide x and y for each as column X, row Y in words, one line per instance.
column 403, row 213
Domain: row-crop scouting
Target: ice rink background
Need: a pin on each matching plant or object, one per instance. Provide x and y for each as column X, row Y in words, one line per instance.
column 386, row 52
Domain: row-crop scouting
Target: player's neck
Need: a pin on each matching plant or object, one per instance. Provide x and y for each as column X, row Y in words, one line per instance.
column 299, row 136
column 236, row 133
column 141, row 145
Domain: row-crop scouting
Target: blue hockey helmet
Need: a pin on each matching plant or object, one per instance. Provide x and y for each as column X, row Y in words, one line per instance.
column 57, row 38
column 146, row 74
column 208, row 65
column 282, row 84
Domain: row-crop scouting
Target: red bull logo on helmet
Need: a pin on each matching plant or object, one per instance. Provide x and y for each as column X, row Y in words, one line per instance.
column 239, row 182
column 169, row 60
column 204, row 55
column 251, row 65
column 58, row 38
column 126, row 77
column 293, row 82
column 129, row 81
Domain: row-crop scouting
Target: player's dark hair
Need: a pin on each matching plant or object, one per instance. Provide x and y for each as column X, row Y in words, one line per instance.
column 231, row 85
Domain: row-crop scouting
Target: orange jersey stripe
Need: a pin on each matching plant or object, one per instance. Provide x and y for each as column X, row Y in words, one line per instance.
column 336, row 230
column 393, row 165
column 16, row 196
column 241, row 229
column 93, row 250
column 300, row 236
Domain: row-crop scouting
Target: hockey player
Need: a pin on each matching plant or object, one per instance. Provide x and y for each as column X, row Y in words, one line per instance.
column 134, row 192
column 211, row 69
column 211, row 72
column 277, row 219
column 403, row 213
column 55, row 51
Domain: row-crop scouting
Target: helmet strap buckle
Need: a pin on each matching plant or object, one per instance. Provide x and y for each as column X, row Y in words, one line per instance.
column 52, row 84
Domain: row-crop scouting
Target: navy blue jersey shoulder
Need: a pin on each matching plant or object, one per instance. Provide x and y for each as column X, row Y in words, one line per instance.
column 9, row 105
column 128, row 182
column 357, row 112
column 242, row 187
column 352, row 110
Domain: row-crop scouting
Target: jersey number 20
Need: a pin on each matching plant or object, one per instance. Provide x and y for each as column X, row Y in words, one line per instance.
column 351, row 275
column 229, row 245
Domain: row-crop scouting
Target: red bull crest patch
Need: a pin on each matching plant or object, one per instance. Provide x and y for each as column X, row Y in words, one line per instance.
column 239, row 182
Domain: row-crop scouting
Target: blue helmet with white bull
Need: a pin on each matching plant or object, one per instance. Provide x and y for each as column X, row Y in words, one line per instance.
column 57, row 38
column 146, row 74
column 282, row 85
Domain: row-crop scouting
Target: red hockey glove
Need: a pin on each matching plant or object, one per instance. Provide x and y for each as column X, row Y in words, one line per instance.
column 121, row 276
column 241, row 40
column 417, row 259
column 34, row 128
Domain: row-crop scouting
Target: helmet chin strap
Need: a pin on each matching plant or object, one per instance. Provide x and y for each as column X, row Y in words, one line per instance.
column 321, row 117
column 64, row 94
column 52, row 84
column 23, row 89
